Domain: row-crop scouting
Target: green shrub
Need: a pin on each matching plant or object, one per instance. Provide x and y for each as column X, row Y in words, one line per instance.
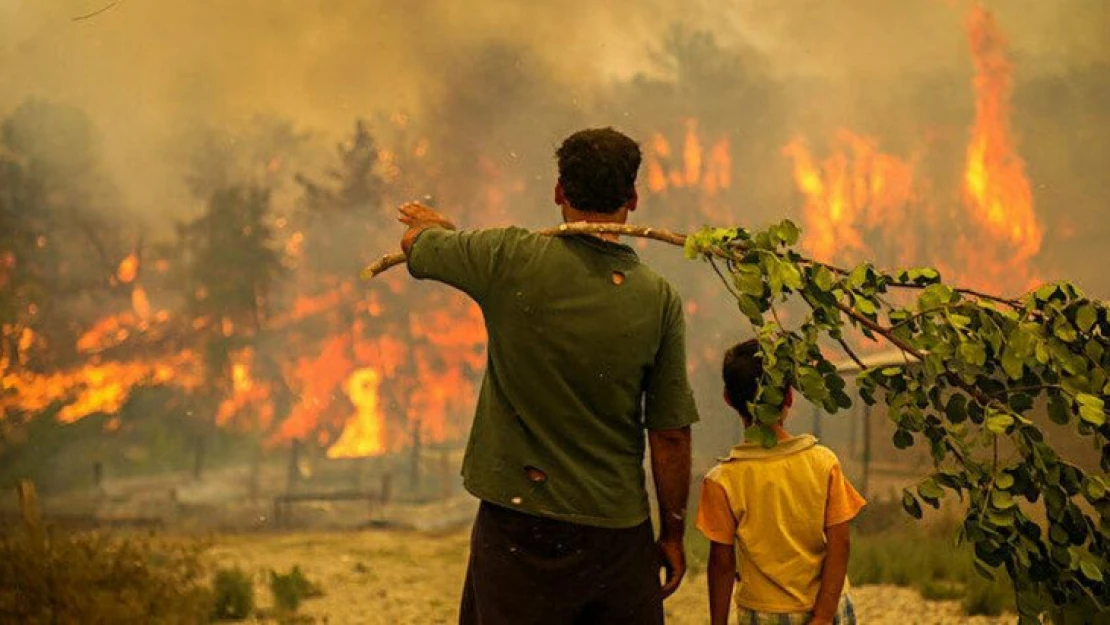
column 291, row 589
column 988, row 598
column 930, row 563
column 96, row 579
column 943, row 590
column 233, row 595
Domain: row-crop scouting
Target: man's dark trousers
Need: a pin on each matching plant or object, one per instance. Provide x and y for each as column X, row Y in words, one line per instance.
column 529, row 570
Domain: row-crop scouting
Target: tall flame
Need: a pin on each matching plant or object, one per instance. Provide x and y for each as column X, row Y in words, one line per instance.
column 996, row 191
column 860, row 202
column 708, row 172
column 364, row 434
column 854, row 190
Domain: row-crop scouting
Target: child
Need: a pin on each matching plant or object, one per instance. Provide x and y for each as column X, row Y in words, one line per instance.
column 777, row 519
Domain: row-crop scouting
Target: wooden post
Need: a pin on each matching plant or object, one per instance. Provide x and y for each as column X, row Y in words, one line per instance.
column 445, row 474
column 387, row 483
column 293, row 475
column 255, row 485
column 98, row 476
column 29, row 510
column 866, row 450
column 198, row 458
column 414, row 469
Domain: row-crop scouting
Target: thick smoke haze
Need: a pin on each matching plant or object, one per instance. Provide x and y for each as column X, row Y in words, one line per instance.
column 151, row 72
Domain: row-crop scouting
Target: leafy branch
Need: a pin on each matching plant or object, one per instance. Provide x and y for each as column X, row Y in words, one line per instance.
column 979, row 370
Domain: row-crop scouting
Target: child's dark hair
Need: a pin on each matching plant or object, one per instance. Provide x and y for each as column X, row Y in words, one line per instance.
column 742, row 370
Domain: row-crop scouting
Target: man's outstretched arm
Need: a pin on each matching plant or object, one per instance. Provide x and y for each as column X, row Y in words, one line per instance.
column 670, row 468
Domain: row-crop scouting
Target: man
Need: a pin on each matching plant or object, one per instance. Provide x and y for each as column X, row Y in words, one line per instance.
column 586, row 351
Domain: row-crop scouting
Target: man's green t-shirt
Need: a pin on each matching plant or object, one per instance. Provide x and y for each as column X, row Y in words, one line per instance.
column 586, row 351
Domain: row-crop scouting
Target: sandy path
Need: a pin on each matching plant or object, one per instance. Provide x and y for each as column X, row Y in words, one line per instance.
column 398, row 578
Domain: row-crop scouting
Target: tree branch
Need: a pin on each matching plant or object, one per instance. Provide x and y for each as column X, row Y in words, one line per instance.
column 666, row 236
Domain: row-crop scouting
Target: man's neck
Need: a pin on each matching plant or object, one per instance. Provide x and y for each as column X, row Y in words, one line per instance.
column 573, row 215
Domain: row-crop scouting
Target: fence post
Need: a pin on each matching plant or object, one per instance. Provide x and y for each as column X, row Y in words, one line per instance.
column 865, row 484
column 29, row 510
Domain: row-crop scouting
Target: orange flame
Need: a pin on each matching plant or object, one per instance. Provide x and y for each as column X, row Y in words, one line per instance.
column 860, row 202
column 996, row 192
column 855, row 189
column 95, row 388
column 364, row 434
column 128, row 269
column 710, row 173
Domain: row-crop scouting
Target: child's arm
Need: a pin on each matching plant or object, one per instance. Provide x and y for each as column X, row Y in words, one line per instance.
column 722, row 574
column 833, row 573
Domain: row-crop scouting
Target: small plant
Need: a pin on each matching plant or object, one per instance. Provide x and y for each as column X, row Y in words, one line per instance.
column 291, row 589
column 233, row 595
column 99, row 579
column 986, row 597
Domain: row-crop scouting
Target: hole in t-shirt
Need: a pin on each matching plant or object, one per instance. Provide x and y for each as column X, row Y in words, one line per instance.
column 618, row 278
column 535, row 475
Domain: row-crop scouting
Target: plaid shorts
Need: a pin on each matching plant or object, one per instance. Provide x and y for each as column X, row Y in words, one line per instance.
column 845, row 615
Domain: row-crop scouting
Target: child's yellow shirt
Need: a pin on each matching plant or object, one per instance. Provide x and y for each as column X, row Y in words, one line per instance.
column 773, row 505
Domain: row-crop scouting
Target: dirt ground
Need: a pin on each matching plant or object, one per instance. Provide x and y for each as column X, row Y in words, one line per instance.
column 398, row 578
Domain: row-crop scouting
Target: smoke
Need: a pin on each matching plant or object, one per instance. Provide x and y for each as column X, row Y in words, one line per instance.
column 151, row 72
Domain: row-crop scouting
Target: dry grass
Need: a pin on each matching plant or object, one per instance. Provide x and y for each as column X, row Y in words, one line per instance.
column 385, row 577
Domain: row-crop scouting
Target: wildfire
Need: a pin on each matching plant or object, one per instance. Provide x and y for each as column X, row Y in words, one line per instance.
column 710, row 172
column 996, row 191
column 128, row 269
column 93, row 388
column 854, row 190
column 365, row 432
column 861, row 202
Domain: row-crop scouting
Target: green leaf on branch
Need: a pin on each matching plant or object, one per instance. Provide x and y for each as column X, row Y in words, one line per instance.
column 1090, row 571
column 1004, row 481
column 1094, row 416
column 973, row 354
column 748, row 280
column 864, row 305
column 903, row 439
column 1091, row 409
column 1094, row 489
column 930, row 490
column 750, row 307
column 999, row 423
column 1002, row 499
column 1058, row 409
column 956, row 409
column 910, row 504
column 1064, row 330
column 691, row 248
column 786, row 232
column 935, row 296
column 823, row 278
column 1086, row 317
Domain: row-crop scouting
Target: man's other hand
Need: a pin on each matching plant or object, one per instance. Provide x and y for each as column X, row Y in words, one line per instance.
column 416, row 215
column 672, row 556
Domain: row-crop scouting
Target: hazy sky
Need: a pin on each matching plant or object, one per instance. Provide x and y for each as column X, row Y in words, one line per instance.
column 143, row 69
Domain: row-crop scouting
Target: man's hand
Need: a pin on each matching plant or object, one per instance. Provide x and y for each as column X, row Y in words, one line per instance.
column 419, row 218
column 415, row 215
column 672, row 557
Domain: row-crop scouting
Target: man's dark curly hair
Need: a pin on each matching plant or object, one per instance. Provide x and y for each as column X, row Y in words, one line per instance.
column 597, row 169
column 742, row 370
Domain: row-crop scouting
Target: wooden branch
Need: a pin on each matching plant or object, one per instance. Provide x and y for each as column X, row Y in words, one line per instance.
column 86, row 16
column 674, row 238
